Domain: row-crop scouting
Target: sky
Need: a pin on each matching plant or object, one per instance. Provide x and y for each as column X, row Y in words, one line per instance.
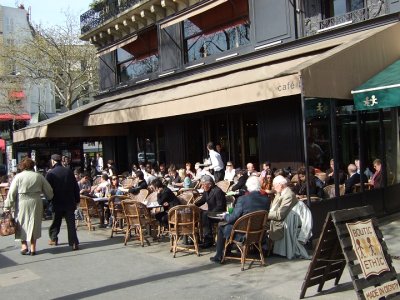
column 50, row 12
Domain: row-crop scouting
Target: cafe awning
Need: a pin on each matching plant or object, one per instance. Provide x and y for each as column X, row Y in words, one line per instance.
column 329, row 72
column 381, row 91
column 19, row 117
column 68, row 125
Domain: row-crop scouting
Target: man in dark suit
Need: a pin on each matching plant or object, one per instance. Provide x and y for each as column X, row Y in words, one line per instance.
column 254, row 201
column 353, row 179
column 216, row 201
column 66, row 197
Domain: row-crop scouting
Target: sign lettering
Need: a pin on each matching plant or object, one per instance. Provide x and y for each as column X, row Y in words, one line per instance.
column 367, row 248
column 384, row 290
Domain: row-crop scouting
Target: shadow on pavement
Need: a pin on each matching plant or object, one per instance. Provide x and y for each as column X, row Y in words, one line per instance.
column 130, row 283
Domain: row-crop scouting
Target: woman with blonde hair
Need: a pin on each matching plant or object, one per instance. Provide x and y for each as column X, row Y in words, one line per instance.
column 24, row 195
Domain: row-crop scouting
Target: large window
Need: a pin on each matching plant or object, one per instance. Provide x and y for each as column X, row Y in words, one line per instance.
column 139, row 57
column 221, row 29
column 334, row 8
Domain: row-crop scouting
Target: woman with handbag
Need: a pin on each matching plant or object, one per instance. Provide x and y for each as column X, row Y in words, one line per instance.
column 24, row 195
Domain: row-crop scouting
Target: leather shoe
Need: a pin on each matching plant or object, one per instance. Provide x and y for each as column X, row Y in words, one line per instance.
column 53, row 242
column 215, row 259
column 32, row 253
column 24, row 252
column 75, row 247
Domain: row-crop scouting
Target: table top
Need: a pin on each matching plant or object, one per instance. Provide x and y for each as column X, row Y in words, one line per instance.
column 216, row 216
column 100, row 199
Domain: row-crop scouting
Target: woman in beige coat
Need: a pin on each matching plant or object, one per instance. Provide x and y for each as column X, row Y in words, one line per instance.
column 24, row 195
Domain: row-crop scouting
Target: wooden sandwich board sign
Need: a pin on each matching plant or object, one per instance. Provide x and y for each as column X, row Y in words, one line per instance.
column 352, row 237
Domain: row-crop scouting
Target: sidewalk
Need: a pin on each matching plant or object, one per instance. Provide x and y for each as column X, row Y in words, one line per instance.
column 104, row 268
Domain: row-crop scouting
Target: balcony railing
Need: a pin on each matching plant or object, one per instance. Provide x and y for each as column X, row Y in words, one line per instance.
column 313, row 26
column 102, row 12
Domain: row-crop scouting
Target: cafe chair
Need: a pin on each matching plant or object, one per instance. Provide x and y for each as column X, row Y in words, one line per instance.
column 223, row 185
column 141, row 196
column 89, row 209
column 184, row 220
column 186, row 198
column 117, row 213
column 248, row 230
column 138, row 219
column 128, row 182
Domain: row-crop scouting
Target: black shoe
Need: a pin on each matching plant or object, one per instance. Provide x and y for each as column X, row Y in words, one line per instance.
column 216, row 260
column 25, row 252
column 32, row 253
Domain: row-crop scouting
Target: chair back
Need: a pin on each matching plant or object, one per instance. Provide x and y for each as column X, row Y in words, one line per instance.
column 96, row 181
column 184, row 219
column 223, row 185
column 186, row 198
column 152, row 197
column 252, row 225
column 88, row 206
column 114, row 202
column 321, row 176
column 128, row 182
column 135, row 212
column 141, row 196
column 329, row 191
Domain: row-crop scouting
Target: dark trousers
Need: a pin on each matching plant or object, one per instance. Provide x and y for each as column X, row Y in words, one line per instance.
column 54, row 229
column 207, row 225
column 219, row 175
column 220, row 241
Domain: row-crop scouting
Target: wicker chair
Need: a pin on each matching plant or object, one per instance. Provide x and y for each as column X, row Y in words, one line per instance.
column 117, row 213
column 223, row 185
column 128, row 182
column 186, row 198
column 141, row 197
column 152, row 197
column 90, row 210
column 138, row 219
column 184, row 220
column 329, row 190
column 253, row 227
column 96, row 181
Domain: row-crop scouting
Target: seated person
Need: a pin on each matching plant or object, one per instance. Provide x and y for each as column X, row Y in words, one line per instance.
column 186, row 182
column 173, row 176
column 84, row 185
column 166, row 198
column 353, row 179
column 291, row 222
column 245, row 204
column 114, row 186
column 148, row 174
column 301, row 188
column 216, row 201
column 230, row 172
column 282, row 204
column 330, row 177
column 189, row 171
column 266, row 168
column 240, row 186
column 101, row 189
column 200, row 172
column 377, row 178
column 251, row 170
column 142, row 184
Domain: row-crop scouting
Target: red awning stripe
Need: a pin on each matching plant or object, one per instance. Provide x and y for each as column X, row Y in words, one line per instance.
column 6, row 117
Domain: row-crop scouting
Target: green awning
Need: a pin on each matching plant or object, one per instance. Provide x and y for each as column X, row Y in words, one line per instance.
column 381, row 91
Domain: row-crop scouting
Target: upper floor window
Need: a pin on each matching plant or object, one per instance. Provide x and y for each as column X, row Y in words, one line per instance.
column 222, row 28
column 139, row 57
column 334, row 8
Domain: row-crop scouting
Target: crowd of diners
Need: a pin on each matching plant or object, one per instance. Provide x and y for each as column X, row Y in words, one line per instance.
column 277, row 191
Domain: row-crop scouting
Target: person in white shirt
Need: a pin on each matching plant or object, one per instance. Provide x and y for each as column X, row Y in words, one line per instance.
column 230, row 172
column 99, row 165
column 216, row 163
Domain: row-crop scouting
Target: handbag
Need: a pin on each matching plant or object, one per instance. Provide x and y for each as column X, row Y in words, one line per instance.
column 8, row 225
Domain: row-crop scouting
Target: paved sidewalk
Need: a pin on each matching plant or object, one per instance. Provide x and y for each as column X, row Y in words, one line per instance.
column 106, row 269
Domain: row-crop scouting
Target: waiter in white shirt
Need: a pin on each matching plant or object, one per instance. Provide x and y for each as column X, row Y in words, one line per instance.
column 216, row 163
